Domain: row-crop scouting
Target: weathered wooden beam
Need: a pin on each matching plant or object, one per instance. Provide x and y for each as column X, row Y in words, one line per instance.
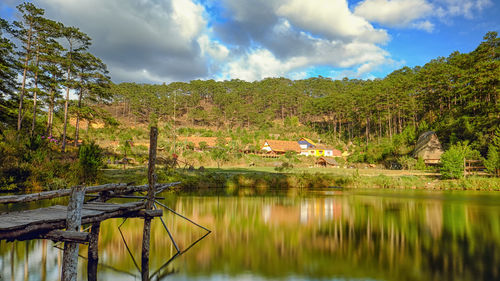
column 57, row 193
column 146, row 213
column 116, row 188
column 73, row 223
column 93, row 253
column 146, row 233
column 34, row 229
column 66, row 236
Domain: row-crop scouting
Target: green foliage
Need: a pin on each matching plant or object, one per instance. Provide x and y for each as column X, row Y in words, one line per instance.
column 90, row 159
column 203, row 145
column 219, row 154
column 284, row 167
column 407, row 162
column 452, row 163
column 492, row 162
column 457, row 96
column 32, row 163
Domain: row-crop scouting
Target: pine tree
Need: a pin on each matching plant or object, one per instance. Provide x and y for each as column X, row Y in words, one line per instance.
column 77, row 41
column 7, row 62
column 92, row 84
column 25, row 34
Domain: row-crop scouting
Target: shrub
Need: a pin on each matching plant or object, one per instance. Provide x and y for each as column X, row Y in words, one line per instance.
column 407, row 162
column 452, row 163
column 285, row 166
column 492, row 162
column 89, row 160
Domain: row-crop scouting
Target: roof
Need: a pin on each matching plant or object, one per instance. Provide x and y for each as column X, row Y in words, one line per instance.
column 329, row 161
column 428, row 146
column 307, row 140
column 324, row 147
column 283, row 146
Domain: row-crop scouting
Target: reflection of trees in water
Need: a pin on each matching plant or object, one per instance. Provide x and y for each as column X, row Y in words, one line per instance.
column 353, row 236
column 395, row 239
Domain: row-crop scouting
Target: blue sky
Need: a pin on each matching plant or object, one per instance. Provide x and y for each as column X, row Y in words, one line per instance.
column 159, row 41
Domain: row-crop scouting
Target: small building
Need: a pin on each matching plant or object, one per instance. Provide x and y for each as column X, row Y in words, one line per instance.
column 280, row 147
column 428, row 148
column 326, row 162
column 320, row 150
column 323, row 150
column 306, row 144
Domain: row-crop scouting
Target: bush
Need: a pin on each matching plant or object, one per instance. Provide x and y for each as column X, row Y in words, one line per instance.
column 89, row 160
column 452, row 163
column 407, row 162
column 285, row 166
column 492, row 161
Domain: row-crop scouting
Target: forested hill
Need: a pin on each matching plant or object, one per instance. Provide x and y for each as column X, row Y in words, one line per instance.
column 456, row 96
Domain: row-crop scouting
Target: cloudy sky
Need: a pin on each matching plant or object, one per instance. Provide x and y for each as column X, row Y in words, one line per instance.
column 181, row 40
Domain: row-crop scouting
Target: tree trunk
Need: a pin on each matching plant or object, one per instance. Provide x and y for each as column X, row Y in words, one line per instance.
column 77, row 125
column 334, row 126
column 33, row 124
column 390, row 126
column 66, row 102
column 379, row 127
column 51, row 113
column 400, row 127
column 340, row 127
column 367, row 129
column 23, row 84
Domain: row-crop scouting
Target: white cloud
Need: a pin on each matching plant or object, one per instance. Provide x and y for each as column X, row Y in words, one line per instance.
column 395, row 13
column 287, row 37
column 465, row 8
column 213, row 49
column 160, row 37
column 256, row 65
column 175, row 40
column 417, row 13
column 423, row 25
column 188, row 18
column 330, row 18
column 261, row 63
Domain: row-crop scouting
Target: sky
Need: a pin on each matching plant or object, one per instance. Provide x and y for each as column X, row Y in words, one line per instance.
column 162, row 41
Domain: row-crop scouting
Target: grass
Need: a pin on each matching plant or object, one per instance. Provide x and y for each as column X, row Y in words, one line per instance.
column 263, row 178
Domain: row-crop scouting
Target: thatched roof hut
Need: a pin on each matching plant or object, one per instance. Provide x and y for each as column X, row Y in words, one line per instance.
column 324, row 161
column 428, row 148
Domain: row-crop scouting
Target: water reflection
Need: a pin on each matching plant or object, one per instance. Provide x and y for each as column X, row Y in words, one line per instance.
column 323, row 235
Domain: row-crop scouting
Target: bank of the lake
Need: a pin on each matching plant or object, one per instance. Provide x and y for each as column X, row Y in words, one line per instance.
column 260, row 179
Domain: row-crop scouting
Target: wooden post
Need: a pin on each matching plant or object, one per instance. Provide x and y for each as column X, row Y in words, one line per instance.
column 93, row 254
column 465, row 167
column 73, row 222
column 146, row 234
column 44, row 260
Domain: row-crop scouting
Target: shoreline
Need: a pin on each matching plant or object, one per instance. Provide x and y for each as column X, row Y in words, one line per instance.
column 263, row 178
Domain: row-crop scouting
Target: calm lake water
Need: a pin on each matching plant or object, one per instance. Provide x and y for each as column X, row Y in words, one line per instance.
column 293, row 235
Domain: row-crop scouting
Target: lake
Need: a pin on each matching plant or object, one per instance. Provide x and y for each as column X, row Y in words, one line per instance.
column 294, row 235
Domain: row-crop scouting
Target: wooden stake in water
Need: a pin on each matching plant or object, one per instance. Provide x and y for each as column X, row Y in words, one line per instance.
column 93, row 253
column 146, row 234
column 73, row 222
